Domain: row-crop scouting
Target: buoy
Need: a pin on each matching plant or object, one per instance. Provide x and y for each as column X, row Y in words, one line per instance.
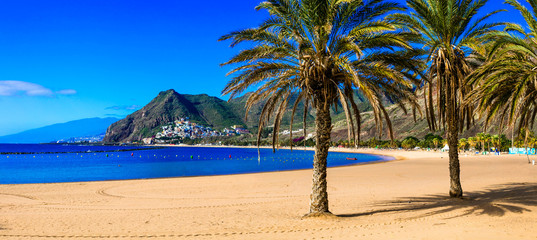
column 107, row 155
column 132, row 154
column 229, row 155
column 191, row 156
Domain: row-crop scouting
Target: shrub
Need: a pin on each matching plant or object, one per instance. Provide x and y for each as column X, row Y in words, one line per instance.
column 409, row 143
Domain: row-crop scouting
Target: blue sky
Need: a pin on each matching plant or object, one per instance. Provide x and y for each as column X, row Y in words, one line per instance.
column 63, row 60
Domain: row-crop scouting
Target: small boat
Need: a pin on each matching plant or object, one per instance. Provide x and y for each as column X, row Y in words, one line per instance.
column 351, row 158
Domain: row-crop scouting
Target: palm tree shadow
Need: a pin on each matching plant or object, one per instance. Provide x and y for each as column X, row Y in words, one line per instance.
column 495, row 201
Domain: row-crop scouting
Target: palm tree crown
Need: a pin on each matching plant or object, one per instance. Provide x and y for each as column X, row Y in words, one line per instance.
column 508, row 81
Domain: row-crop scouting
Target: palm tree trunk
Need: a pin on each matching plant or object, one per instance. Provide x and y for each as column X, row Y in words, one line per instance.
column 452, row 119
column 526, row 144
column 455, row 189
column 304, row 126
column 323, row 128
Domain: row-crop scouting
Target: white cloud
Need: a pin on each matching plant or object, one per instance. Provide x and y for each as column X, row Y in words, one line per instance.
column 131, row 107
column 12, row 88
column 66, row 92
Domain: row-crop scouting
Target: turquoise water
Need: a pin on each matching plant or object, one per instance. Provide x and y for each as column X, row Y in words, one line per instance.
column 53, row 163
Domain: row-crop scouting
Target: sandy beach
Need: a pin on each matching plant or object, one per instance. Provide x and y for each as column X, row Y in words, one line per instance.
column 401, row 199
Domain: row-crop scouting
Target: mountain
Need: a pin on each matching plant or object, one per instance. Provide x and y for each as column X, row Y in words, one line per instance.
column 214, row 112
column 405, row 126
column 238, row 106
column 169, row 106
column 202, row 109
column 73, row 129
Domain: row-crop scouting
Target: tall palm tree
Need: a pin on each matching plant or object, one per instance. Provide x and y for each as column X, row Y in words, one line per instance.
column 496, row 141
column 482, row 138
column 532, row 142
column 451, row 34
column 463, row 143
column 472, row 141
column 320, row 53
column 436, row 141
column 508, row 81
column 487, row 139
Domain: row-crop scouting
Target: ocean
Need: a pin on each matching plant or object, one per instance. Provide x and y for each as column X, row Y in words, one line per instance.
column 43, row 163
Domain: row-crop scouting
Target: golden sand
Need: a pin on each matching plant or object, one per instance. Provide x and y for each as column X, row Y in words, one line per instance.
column 405, row 199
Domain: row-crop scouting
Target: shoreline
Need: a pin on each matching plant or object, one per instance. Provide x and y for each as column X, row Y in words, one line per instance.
column 378, row 161
column 372, row 151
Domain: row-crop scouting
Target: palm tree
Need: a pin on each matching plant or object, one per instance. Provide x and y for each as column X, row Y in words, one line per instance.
column 508, row 85
column 451, row 34
column 321, row 53
column 463, row 143
column 436, row 141
column 496, row 141
column 481, row 138
column 472, row 141
column 486, row 139
column 532, row 142
column 508, row 89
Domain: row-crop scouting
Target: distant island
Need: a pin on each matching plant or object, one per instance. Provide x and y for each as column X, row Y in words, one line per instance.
column 83, row 130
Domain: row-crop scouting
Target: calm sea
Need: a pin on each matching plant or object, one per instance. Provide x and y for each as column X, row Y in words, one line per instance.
column 57, row 163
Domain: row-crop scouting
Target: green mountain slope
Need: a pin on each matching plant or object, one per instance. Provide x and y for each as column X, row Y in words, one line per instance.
column 167, row 107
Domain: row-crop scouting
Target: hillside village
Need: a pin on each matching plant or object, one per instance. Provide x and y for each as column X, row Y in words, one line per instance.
column 185, row 129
